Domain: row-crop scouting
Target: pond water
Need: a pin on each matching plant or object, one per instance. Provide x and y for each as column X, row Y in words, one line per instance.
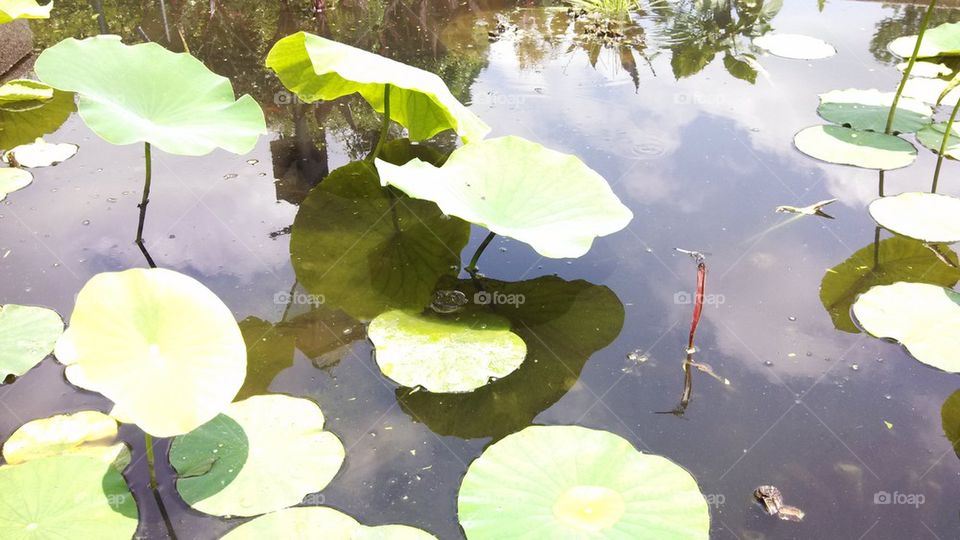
column 832, row 417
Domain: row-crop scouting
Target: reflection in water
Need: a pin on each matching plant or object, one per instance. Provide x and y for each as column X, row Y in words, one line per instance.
column 950, row 417
column 23, row 126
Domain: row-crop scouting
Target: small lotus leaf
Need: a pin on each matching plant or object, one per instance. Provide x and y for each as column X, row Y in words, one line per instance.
column 932, row 137
column 795, row 46
column 11, row 10
column 13, row 179
column 931, row 91
column 868, row 110
column 943, row 40
column 923, row 318
column 317, row 68
column 313, row 522
column 927, row 70
column 40, row 154
column 86, row 433
column 930, row 217
column 27, row 336
column 845, row 146
column 22, row 94
column 574, row 482
column 145, row 93
column 157, row 343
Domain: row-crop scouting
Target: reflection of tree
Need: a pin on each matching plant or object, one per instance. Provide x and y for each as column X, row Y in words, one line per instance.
column 904, row 21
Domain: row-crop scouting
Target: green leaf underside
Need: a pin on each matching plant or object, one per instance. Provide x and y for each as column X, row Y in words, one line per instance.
column 346, row 246
column 868, row 110
column 24, row 126
column 84, row 433
column 145, row 93
column 900, row 259
column 11, row 10
column 12, row 179
column 315, row 522
column 930, row 217
column 27, row 335
column 75, row 497
column 262, row 454
column 574, row 482
column 923, row 318
column 931, row 137
column 157, row 343
column 943, row 40
column 317, row 68
column 795, row 46
column 845, row 146
column 519, row 189
column 445, row 355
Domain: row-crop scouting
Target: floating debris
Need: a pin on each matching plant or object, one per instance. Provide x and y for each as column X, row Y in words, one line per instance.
column 815, row 209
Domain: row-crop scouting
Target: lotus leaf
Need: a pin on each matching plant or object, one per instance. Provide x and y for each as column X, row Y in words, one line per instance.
column 932, row 137
column 868, row 110
column 27, row 336
column 313, row 522
column 11, row 10
column 925, row 216
column 950, row 419
column 795, row 46
column 22, row 94
column 927, row 70
column 931, row 91
column 13, row 179
column 24, row 124
column 40, row 154
column 944, row 40
column 86, row 433
column 845, row 146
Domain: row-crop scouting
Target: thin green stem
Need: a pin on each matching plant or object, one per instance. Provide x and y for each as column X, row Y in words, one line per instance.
column 876, row 248
column 148, row 441
column 948, row 130
column 880, row 184
column 472, row 267
column 144, row 200
column 913, row 58
column 385, row 126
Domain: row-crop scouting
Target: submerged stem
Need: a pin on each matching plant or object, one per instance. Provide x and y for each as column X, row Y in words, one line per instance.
column 385, row 126
column 472, row 267
column 943, row 146
column 148, row 440
column 913, row 58
column 144, row 200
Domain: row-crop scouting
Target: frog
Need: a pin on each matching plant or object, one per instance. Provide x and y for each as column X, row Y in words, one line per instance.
column 772, row 501
column 448, row 301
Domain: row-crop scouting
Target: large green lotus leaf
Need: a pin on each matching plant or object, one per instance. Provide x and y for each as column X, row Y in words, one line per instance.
column 923, row 318
column 795, row 46
column 517, row 188
column 932, row 137
column 930, row 91
column 930, row 217
column 562, row 322
column 85, row 433
column 157, row 343
column 845, row 146
column 13, row 179
column 317, row 68
column 11, row 10
column 868, row 110
column 445, row 355
column 900, row 259
column 27, row 335
column 21, row 94
column 24, row 126
column 145, row 93
column 315, row 522
column 927, row 70
column 75, row 497
column 262, row 454
column 366, row 251
column 573, row 482
column 950, row 418
column 944, row 40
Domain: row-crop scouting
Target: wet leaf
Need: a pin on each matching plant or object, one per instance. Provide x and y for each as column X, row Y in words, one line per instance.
column 320, row 522
column 868, row 110
column 13, row 179
column 795, row 46
column 931, row 91
column 40, row 154
column 928, row 70
column 930, row 217
column 85, row 433
column 27, row 336
column 931, row 137
column 21, row 94
column 943, row 40
column 845, row 146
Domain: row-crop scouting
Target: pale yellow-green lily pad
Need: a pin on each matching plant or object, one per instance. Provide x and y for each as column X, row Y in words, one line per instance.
column 85, row 433
column 320, row 522
column 930, row 217
column 40, row 154
column 27, row 336
column 574, row 482
column 924, row 318
column 927, row 70
column 13, row 179
column 157, row 343
column 795, row 46
column 11, row 10
column 845, row 146
column 445, row 354
column 943, row 40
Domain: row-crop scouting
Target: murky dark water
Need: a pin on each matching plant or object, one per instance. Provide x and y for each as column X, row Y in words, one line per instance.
column 702, row 159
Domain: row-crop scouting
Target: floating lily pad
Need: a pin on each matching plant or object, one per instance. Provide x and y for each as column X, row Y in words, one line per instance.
column 930, row 91
column 795, row 46
column 317, row 68
column 145, row 93
column 27, row 336
column 25, row 124
column 574, row 482
column 950, row 419
column 158, row 344
column 20, row 94
column 868, row 110
column 313, row 522
column 262, row 454
column 445, row 355
column 366, row 251
column 40, row 154
column 923, row 318
column 925, row 216
column 932, row 137
column 11, row 10
column 895, row 259
column 75, row 497
column 13, row 179
column 845, row 146
column 943, row 40
column 85, row 433
column 928, row 70
column 520, row 189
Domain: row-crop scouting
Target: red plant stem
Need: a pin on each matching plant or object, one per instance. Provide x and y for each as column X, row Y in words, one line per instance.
column 698, row 302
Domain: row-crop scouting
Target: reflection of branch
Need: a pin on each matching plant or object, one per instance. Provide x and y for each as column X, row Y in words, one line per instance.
column 688, row 363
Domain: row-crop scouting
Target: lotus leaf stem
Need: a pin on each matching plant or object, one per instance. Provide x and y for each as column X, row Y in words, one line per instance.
column 472, row 267
column 144, row 200
column 148, row 441
column 913, row 58
column 948, row 130
column 385, row 126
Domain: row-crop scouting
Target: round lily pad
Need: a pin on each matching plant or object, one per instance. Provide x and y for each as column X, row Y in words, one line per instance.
column 11, row 10
column 845, row 146
column 308, row 523
column 157, row 343
column 86, row 433
column 40, row 154
column 927, row 70
column 795, row 46
column 518, row 188
column 931, row 137
column 75, row 497
column 445, row 355
column 21, row 94
column 262, row 454
column 943, row 40
column 145, row 93
column 923, row 318
column 868, row 110
column 930, row 90
column 13, row 179
column 925, row 216
column 574, row 482
column 27, row 335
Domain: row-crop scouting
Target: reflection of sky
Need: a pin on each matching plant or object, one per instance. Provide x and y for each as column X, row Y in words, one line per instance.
column 702, row 162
